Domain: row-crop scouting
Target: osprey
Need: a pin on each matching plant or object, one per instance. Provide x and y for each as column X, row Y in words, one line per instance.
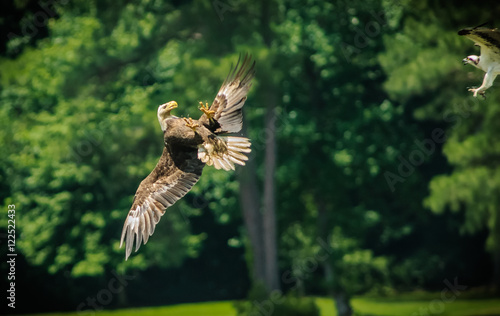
column 189, row 145
column 489, row 61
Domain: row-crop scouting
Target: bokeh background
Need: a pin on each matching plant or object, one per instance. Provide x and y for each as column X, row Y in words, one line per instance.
column 374, row 176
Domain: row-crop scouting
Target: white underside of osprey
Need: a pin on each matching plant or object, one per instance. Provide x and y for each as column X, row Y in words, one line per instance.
column 489, row 62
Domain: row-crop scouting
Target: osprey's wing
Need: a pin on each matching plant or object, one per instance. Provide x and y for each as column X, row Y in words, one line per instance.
column 486, row 38
column 231, row 98
column 166, row 184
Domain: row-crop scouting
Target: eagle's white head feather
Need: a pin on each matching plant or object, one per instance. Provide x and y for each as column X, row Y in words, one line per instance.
column 164, row 113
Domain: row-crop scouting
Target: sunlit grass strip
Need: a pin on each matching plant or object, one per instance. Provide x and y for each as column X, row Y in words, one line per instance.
column 363, row 306
column 391, row 307
column 223, row 308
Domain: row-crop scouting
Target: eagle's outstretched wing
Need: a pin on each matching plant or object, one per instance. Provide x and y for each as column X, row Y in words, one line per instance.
column 166, row 184
column 231, row 98
column 486, row 38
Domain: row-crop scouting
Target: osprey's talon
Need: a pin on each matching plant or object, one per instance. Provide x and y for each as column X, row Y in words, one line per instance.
column 205, row 109
column 191, row 123
column 474, row 91
column 477, row 91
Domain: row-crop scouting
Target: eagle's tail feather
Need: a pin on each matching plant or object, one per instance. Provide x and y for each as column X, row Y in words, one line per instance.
column 225, row 152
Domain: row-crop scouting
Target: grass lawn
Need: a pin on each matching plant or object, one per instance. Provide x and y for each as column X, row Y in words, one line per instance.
column 363, row 306
column 223, row 308
column 393, row 307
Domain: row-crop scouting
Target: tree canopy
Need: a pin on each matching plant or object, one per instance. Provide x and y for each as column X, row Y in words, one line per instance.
column 372, row 167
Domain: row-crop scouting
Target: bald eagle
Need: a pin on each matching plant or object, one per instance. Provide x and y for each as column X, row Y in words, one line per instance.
column 489, row 61
column 189, row 145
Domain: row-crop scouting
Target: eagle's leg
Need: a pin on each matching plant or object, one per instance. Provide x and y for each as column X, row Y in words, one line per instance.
column 205, row 109
column 191, row 123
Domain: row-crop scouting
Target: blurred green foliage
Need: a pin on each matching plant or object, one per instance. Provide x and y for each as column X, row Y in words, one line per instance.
column 471, row 129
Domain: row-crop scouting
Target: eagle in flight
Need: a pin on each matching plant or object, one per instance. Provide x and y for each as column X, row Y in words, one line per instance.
column 489, row 61
column 189, row 145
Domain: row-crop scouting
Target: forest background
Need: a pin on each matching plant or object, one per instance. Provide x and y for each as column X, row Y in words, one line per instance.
column 373, row 169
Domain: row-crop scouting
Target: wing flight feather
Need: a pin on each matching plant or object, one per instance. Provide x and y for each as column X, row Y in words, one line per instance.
column 486, row 38
column 231, row 98
column 160, row 190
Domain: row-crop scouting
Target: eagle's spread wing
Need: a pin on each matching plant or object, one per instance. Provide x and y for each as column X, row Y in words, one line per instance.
column 486, row 38
column 166, row 184
column 231, row 98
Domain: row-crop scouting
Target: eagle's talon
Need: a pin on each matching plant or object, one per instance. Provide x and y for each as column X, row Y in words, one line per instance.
column 191, row 123
column 205, row 109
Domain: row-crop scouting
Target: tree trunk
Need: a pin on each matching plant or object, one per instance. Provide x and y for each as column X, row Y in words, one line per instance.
column 269, row 209
column 250, row 205
column 342, row 300
column 270, row 239
column 495, row 248
column 343, row 304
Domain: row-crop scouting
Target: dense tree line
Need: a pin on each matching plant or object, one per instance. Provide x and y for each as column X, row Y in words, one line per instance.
column 372, row 170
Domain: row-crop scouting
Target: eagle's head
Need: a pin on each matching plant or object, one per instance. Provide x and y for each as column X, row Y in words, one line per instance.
column 164, row 113
column 472, row 59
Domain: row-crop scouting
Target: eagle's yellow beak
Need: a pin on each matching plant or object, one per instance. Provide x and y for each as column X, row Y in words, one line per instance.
column 165, row 108
column 169, row 106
